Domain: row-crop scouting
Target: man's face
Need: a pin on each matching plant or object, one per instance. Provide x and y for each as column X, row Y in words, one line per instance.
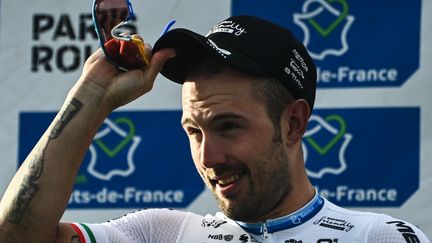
column 234, row 145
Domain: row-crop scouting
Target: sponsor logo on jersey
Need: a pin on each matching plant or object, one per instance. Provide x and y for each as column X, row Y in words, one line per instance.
column 337, row 224
column 215, row 223
column 228, row 237
column 328, row 241
column 406, row 231
column 244, row 238
column 221, row 237
column 293, row 241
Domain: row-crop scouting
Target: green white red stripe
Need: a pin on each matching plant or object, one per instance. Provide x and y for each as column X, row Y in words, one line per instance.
column 84, row 233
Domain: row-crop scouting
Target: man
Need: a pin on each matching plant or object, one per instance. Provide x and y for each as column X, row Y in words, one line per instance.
column 248, row 91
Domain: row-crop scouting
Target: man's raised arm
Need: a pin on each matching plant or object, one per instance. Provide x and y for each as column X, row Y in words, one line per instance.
column 37, row 196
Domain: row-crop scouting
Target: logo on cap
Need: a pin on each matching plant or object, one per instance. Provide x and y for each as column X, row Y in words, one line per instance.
column 224, row 53
column 296, row 68
column 229, row 27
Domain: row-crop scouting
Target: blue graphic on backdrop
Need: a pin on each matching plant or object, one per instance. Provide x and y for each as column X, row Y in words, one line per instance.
column 364, row 157
column 353, row 43
column 137, row 159
column 322, row 23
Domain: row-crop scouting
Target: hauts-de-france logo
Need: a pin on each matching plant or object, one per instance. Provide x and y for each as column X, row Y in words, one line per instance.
column 353, row 43
column 133, row 162
column 136, row 160
column 325, row 22
column 355, row 158
column 110, row 142
column 324, row 146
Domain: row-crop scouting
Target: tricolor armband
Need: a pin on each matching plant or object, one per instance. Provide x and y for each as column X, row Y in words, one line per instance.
column 90, row 233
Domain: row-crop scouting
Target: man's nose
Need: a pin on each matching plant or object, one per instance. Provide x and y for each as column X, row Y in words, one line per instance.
column 211, row 152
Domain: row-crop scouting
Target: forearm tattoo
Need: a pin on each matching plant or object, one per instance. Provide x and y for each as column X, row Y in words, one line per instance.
column 68, row 113
column 30, row 185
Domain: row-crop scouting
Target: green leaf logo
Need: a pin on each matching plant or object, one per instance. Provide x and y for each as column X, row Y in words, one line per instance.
column 325, row 31
column 324, row 149
column 111, row 152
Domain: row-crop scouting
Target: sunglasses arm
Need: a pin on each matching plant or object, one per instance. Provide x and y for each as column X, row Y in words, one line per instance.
column 140, row 44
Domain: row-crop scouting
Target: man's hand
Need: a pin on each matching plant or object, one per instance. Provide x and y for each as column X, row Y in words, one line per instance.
column 116, row 88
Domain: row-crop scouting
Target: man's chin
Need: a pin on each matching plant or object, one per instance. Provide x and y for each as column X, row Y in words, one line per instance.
column 234, row 210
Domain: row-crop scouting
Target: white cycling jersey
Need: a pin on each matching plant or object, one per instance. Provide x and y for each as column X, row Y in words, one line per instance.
column 320, row 221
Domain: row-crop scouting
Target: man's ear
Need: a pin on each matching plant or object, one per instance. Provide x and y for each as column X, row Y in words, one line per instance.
column 294, row 120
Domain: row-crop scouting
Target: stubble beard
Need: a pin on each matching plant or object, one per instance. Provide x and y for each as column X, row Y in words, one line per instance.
column 267, row 188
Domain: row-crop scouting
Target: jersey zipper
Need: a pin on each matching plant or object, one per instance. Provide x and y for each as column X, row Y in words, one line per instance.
column 265, row 233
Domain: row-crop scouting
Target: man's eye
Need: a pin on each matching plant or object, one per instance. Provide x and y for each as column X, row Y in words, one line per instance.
column 193, row 131
column 228, row 126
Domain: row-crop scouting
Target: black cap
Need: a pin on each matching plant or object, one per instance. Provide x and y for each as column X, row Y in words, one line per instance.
column 248, row 43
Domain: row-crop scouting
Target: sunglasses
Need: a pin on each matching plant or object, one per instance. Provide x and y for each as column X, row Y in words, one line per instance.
column 113, row 21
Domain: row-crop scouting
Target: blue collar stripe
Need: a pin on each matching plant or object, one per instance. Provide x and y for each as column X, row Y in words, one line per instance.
column 288, row 221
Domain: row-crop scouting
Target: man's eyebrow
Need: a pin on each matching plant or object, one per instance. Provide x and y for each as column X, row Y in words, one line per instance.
column 214, row 119
column 187, row 120
column 226, row 115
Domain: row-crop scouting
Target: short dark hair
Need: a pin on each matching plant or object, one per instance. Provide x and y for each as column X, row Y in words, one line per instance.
column 269, row 91
column 275, row 97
